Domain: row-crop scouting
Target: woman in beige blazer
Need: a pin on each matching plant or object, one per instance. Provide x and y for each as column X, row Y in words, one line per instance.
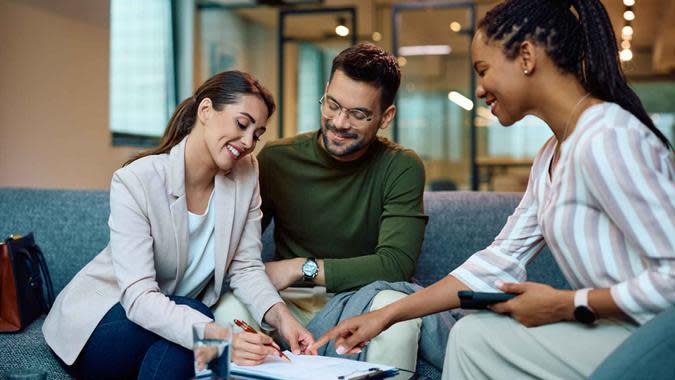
column 184, row 221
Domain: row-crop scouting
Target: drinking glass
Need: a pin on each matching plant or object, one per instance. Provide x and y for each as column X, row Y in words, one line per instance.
column 211, row 348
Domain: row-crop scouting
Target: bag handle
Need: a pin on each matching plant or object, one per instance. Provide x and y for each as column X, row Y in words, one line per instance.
column 40, row 275
column 47, row 278
column 38, row 266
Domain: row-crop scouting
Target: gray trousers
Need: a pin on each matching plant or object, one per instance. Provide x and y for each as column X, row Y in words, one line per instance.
column 486, row 345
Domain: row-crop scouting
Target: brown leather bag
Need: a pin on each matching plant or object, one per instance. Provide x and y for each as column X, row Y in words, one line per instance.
column 26, row 290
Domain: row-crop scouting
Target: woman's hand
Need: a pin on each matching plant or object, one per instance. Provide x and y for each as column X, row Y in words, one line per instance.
column 352, row 334
column 284, row 273
column 252, row 348
column 536, row 304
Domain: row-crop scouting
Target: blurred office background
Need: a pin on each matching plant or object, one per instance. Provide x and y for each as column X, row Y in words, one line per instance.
column 84, row 84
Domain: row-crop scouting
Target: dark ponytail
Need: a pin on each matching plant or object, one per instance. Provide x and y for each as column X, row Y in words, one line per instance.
column 585, row 47
column 223, row 88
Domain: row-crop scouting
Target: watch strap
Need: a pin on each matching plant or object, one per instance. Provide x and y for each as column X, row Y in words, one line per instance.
column 581, row 297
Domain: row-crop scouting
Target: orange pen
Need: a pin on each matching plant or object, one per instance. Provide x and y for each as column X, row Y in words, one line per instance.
column 244, row 326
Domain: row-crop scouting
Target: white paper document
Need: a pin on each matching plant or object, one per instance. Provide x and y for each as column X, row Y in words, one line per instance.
column 306, row 367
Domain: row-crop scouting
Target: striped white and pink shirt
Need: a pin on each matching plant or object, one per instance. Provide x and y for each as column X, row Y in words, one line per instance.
column 607, row 214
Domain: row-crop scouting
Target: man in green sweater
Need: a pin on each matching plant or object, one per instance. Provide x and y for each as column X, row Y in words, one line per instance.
column 347, row 205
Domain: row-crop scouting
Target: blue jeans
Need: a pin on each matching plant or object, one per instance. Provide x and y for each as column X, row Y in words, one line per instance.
column 121, row 349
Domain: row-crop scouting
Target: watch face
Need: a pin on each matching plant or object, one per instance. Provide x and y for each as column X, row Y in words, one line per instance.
column 310, row 268
column 584, row 315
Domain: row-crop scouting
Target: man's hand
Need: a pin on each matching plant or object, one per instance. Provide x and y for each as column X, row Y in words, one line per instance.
column 352, row 334
column 536, row 304
column 297, row 336
column 284, row 273
column 290, row 329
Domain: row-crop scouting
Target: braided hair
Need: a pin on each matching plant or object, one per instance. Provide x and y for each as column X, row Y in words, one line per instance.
column 584, row 46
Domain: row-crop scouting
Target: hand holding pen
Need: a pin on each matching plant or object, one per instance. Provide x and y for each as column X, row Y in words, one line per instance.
column 244, row 326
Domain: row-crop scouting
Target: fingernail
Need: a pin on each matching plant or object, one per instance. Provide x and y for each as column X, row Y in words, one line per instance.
column 340, row 350
column 499, row 284
column 357, row 351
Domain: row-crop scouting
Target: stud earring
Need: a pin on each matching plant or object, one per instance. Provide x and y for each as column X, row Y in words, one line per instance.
column 526, row 72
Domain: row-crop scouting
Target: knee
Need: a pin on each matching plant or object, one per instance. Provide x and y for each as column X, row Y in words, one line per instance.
column 193, row 304
column 384, row 298
column 466, row 333
column 166, row 360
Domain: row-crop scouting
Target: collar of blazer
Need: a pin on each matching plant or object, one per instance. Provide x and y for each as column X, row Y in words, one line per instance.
column 225, row 201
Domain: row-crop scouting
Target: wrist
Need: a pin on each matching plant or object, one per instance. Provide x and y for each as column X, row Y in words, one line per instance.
column 276, row 314
column 387, row 316
column 309, row 270
column 566, row 305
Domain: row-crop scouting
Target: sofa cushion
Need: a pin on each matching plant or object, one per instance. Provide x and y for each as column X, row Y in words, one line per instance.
column 69, row 225
column 464, row 222
column 28, row 351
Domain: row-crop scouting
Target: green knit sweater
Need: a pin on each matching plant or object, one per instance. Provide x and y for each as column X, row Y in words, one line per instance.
column 365, row 217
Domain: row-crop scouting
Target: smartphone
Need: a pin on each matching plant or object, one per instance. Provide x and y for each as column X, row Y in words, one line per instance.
column 480, row 300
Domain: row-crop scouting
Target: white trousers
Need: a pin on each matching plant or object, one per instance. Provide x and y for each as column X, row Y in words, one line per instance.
column 396, row 346
column 486, row 345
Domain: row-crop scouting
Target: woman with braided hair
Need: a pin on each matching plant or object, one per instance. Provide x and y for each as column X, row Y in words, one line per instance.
column 601, row 195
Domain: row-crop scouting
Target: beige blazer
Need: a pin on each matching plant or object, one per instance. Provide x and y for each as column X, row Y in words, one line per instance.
column 148, row 251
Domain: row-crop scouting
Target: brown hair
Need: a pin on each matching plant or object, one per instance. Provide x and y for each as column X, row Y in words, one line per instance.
column 369, row 63
column 223, row 88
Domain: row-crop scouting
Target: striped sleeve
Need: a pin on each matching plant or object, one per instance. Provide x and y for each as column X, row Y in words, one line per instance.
column 505, row 259
column 631, row 176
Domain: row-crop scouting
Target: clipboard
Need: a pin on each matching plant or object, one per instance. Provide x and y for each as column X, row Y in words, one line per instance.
column 305, row 367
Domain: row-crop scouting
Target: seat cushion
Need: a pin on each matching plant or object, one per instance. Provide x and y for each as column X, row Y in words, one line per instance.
column 28, row 351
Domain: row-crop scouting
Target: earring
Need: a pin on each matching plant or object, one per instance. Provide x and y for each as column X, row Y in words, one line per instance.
column 526, row 72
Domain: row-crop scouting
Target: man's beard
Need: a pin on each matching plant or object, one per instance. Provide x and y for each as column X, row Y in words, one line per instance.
column 354, row 143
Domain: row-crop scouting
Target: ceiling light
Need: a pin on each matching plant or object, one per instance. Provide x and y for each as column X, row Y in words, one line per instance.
column 629, row 3
column 629, row 15
column 377, row 36
column 627, row 30
column 626, row 55
column 460, row 100
column 425, row 50
column 455, row 26
column 341, row 29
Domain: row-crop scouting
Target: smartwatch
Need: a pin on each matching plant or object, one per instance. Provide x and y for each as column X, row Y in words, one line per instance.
column 582, row 311
column 310, row 269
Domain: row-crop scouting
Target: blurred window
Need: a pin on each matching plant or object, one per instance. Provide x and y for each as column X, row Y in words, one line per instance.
column 142, row 89
column 311, row 84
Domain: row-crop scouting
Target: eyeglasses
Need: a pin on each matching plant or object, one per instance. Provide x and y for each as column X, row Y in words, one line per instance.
column 330, row 109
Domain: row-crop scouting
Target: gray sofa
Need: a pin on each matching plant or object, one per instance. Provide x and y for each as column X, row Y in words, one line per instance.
column 71, row 227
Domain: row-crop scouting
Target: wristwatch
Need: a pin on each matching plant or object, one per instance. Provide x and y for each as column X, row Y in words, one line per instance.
column 310, row 269
column 582, row 311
